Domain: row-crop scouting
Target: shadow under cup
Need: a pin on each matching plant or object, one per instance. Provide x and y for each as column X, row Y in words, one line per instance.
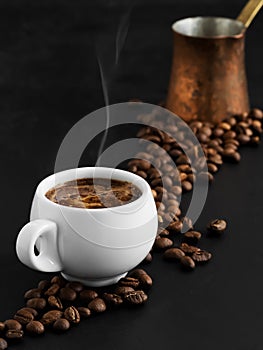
column 95, row 246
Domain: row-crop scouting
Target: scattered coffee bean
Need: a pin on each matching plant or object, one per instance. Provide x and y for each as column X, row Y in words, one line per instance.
column 44, row 284
column 53, row 289
column 72, row 315
column 201, row 256
column 112, row 299
column 35, row 327
column 84, row 311
column 29, row 309
column 136, row 297
column 192, row 236
column 55, row 302
column 148, row 258
column 36, row 303
column 51, row 316
column 3, row 344
column 61, row 325
column 121, row 290
column 67, row 294
column 76, row 286
column 129, row 282
column 162, row 243
column 13, row 324
column 2, row 326
column 175, row 227
column 217, row 226
column 32, row 293
column 97, row 305
column 23, row 316
column 187, row 262
column 14, row 334
column 188, row 249
column 58, row 280
column 173, row 254
column 88, row 295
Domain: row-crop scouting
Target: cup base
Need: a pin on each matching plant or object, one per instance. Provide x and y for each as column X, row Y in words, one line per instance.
column 95, row 282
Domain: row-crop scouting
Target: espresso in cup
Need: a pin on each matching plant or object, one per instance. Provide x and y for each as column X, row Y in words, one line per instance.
column 93, row 193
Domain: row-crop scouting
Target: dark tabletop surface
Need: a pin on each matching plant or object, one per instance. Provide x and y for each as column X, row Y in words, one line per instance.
column 49, row 79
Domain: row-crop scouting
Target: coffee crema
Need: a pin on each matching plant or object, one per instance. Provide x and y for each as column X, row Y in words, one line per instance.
column 89, row 194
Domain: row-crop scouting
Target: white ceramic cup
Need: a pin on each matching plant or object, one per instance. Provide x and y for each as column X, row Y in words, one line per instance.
column 94, row 246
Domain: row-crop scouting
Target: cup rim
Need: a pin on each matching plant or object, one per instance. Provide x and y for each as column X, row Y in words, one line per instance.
column 209, row 18
column 143, row 186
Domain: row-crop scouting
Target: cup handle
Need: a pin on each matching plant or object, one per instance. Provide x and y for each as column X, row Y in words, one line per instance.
column 43, row 234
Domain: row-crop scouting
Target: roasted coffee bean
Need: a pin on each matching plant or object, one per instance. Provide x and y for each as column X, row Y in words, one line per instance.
column 61, row 325
column 187, row 262
column 51, row 316
column 173, row 254
column 218, row 132
column 88, row 295
column 23, row 316
column 97, row 305
column 137, row 273
column 162, row 243
column 55, row 302
column 256, row 113
column 188, row 249
column 84, row 311
column 187, row 223
column 35, row 327
column 36, row 303
column 243, row 139
column 136, row 298
column 229, row 135
column 217, row 226
column 201, row 256
column 67, row 294
column 44, row 284
column 14, row 334
column 212, row 168
column 192, row 236
column 141, row 173
column 32, row 293
column 224, row 126
column 217, row 159
column 148, row 258
column 129, row 282
column 112, row 299
column 143, row 277
column 175, row 227
column 58, row 280
column 72, row 314
column 156, row 182
column 29, row 309
column 187, row 186
column 154, row 193
column 13, row 324
column 120, row 290
column 2, row 326
column 140, row 163
column 76, row 286
column 163, row 232
column 255, row 140
column 3, row 344
column 52, row 290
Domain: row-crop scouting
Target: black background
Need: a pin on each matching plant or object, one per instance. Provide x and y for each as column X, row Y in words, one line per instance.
column 49, row 79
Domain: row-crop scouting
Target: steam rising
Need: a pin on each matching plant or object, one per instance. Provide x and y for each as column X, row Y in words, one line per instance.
column 107, row 68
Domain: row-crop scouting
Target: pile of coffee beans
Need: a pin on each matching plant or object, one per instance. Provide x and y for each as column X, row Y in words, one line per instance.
column 58, row 305
column 219, row 143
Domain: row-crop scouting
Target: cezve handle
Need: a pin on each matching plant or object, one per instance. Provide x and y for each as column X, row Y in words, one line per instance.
column 43, row 235
column 249, row 11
